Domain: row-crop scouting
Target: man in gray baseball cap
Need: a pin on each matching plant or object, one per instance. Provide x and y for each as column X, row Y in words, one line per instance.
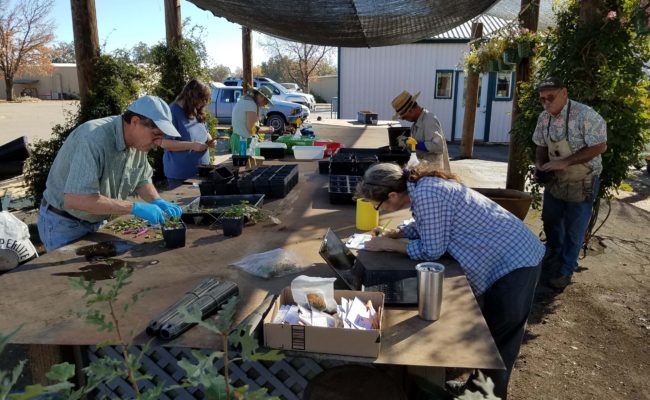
column 101, row 164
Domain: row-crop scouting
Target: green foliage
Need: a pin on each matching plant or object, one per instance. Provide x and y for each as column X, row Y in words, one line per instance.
column 219, row 72
column 115, row 86
column 277, row 68
column 245, row 209
column 204, row 373
column 601, row 63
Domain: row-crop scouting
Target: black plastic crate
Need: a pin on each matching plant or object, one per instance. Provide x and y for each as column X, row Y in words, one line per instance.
column 394, row 133
column 261, row 184
column 357, row 151
column 393, row 154
column 226, row 187
column 205, row 170
column 272, row 153
column 222, row 174
column 245, row 185
column 342, row 167
column 365, row 162
column 324, row 167
column 341, row 198
column 207, row 188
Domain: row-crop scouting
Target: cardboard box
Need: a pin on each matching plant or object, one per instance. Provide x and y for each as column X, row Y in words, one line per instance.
column 350, row 342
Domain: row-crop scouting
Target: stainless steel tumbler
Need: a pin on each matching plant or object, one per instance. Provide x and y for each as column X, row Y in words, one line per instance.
column 430, row 276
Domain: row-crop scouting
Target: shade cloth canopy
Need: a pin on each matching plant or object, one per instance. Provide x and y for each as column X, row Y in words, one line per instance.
column 363, row 23
column 349, row 23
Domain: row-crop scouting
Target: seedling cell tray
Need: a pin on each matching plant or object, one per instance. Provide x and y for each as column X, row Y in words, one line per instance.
column 206, row 210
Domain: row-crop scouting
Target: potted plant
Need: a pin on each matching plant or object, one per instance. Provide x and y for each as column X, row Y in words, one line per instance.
column 484, row 56
column 232, row 220
column 526, row 41
column 173, row 232
column 642, row 18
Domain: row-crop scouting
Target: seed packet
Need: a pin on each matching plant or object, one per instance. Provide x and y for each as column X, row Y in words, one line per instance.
column 314, row 293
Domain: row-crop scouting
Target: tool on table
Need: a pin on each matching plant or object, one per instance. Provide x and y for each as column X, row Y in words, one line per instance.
column 383, row 228
column 209, row 296
column 106, row 249
column 252, row 321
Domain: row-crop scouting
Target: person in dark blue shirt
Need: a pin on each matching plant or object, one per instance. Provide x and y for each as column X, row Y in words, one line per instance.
column 184, row 154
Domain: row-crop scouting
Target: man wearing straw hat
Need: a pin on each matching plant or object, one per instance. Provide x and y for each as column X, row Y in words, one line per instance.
column 246, row 118
column 426, row 129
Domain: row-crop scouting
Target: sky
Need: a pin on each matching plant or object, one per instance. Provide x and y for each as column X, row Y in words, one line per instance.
column 123, row 25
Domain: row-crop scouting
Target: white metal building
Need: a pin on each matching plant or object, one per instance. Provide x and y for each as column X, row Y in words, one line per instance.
column 370, row 78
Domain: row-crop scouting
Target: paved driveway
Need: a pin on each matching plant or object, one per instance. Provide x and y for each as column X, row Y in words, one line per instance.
column 34, row 120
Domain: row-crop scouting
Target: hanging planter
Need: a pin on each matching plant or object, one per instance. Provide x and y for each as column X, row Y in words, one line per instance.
column 493, row 66
column 524, row 49
column 504, row 66
column 511, row 56
column 642, row 21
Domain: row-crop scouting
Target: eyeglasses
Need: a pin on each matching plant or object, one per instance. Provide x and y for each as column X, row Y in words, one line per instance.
column 378, row 206
column 548, row 99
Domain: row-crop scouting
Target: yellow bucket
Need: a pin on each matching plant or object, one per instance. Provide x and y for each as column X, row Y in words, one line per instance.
column 367, row 216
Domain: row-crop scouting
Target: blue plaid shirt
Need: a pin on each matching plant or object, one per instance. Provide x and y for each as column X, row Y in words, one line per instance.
column 488, row 241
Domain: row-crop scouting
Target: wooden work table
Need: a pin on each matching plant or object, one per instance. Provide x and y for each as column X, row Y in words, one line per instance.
column 38, row 295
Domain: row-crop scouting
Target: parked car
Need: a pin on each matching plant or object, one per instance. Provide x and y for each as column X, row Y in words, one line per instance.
column 291, row 87
column 224, row 97
column 279, row 91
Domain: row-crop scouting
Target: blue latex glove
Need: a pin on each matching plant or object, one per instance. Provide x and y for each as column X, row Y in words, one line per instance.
column 421, row 146
column 150, row 212
column 170, row 208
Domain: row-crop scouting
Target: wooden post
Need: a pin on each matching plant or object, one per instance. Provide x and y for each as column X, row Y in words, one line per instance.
column 247, row 56
column 86, row 43
column 516, row 178
column 173, row 22
column 471, row 97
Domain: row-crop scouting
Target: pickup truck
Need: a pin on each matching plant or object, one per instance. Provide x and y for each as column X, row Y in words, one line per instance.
column 224, row 97
column 279, row 91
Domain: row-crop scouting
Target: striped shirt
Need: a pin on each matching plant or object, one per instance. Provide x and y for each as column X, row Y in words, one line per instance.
column 95, row 160
column 487, row 241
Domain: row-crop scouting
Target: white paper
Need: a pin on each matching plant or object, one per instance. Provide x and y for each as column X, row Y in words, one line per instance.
column 357, row 241
column 359, row 317
column 292, row 316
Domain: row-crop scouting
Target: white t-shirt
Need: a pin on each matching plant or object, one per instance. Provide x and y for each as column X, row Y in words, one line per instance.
column 244, row 105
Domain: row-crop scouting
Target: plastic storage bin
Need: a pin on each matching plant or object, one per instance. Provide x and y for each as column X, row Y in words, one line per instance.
column 308, row 152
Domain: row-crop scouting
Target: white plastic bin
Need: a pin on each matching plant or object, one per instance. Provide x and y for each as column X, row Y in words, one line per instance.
column 308, row 152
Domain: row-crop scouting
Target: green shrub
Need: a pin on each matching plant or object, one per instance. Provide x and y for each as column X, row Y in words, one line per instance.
column 115, row 86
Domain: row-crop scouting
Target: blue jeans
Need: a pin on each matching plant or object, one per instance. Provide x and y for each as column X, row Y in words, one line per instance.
column 565, row 224
column 505, row 306
column 57, row 231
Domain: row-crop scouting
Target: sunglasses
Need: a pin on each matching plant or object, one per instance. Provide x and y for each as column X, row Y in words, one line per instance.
column 548, row 99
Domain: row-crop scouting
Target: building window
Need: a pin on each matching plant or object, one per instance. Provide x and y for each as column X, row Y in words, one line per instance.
column 504, row 86
column 444, row 84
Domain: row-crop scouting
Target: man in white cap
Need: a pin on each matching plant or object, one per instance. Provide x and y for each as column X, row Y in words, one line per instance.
column 426, row 129
column 99, row 165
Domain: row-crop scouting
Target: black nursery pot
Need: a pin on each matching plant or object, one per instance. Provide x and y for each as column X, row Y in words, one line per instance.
column 239, row 161
column 174, row 238
column 232, row 226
